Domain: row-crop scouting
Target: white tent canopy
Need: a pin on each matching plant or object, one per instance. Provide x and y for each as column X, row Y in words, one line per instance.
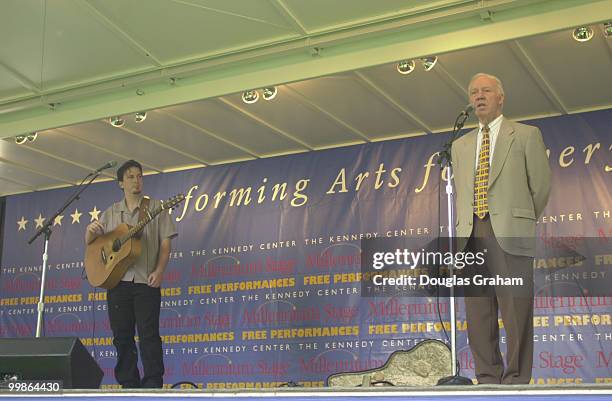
column 66, row 66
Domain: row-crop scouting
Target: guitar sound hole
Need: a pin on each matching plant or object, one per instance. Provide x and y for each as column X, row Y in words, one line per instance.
column 116, row 245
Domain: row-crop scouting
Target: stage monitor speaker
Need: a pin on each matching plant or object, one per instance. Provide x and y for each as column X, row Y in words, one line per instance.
column 50, row 358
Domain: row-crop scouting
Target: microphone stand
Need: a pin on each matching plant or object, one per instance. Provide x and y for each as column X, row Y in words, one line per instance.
column 445, row 161
column 46, row 229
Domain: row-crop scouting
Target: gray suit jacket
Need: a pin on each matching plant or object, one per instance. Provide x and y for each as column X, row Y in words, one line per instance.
column 519, row 185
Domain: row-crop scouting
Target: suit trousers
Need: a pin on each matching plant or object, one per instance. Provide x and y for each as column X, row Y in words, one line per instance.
column 130, row 306
column 516, row 313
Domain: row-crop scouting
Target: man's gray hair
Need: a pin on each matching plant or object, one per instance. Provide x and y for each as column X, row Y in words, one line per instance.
column 500, row 87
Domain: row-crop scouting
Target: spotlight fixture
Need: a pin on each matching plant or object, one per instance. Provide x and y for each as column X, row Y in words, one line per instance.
column 117, row 121
column 140, row 116
column 582, row 34
column 607, row 28
column 250, row 96
column 405, row 67
column 429, row 62
column 269, row 93
column 23, row 138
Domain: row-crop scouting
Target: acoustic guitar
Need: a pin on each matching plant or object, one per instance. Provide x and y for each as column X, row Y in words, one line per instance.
column 108, row 257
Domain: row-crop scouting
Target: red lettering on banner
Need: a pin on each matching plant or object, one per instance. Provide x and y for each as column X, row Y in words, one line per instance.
column 234, row 269
column 396, row 308
column 602, row 361
column 217, row 321
column 328, row 261
column 15, row 330
column 280, row 266
column 321, row 364
column 340, row 314
column 213, row 368
column 273, row 368
column 264, row 315
column 18, row 285
column 563, row 243
column 466, row 360
column 172, row 277
column 568, row 363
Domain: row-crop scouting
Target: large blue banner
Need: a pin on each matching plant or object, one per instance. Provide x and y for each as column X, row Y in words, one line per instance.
column 263, row 285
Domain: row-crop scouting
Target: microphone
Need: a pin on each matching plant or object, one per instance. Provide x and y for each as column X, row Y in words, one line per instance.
column 110, row 164
column 468, row 109
column 445, row 155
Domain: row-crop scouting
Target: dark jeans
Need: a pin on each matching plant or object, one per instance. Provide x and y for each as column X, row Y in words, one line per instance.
column 131, row 306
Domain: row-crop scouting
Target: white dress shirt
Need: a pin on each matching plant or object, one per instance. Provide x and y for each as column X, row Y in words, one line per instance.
column 494, row 127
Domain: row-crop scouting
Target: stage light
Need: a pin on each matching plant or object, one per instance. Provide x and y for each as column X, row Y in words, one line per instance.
column 23, row 138
column 429, row 62
column 117, row 121
column 250, row 96
column 269, row 93
column 405, row 66
column 582, row 34
column 607, row 27
column 140, row 116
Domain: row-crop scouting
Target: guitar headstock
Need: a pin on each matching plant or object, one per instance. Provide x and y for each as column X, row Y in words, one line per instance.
column 172, row 202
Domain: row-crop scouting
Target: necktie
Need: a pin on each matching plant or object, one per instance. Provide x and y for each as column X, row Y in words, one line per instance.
column 481, row 179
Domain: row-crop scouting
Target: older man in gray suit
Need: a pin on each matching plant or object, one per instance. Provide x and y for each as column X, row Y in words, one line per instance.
column 502, row 180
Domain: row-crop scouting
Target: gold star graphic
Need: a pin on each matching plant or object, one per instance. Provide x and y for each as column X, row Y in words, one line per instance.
column 94, row 214
column 58, row 220
column 22, row 224
column 76, row 216
column 39, row 221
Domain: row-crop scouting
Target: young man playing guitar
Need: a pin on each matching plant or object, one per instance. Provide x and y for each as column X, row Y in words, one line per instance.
column 135, row 301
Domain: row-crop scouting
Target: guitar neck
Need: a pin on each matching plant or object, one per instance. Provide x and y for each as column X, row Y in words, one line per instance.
column 150, row 215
